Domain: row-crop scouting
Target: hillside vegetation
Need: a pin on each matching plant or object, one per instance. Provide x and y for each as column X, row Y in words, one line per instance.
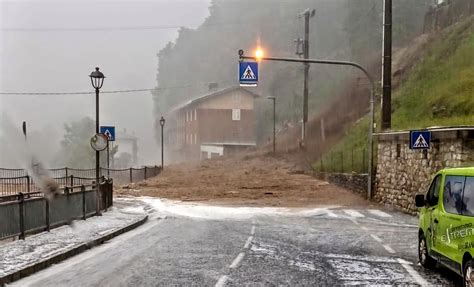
column 437, row 91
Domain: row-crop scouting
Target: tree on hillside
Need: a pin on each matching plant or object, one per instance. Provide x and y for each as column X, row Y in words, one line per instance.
column 76, row 150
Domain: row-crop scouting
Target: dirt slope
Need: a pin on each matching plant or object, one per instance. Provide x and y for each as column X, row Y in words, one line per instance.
column 244, row 180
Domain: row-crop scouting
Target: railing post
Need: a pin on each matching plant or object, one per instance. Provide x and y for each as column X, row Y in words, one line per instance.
column 72, row 180
column 66, row 171
column 48, row 226
column 131, row 179
column 83, row 191
column 145, row 172
column 28, row 184
column 22, row 219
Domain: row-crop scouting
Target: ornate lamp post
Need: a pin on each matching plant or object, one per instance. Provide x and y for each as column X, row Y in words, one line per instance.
column 97, row 80
column 162, row 124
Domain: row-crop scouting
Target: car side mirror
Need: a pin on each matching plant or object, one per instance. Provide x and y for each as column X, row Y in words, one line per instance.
column 420, row 200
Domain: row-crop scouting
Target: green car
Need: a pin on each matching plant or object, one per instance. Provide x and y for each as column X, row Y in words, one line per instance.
column 446, row 233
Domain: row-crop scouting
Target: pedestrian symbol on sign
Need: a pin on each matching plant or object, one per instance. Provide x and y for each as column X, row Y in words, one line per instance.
column 248, row 74
column 421, row 142
column 420, row 139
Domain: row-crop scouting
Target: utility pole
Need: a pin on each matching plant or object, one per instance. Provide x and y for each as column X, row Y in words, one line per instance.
column 307, row 14
column 387, row 66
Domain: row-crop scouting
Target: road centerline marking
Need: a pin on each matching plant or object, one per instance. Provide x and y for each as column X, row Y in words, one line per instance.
column 222, row 280
column 252, row 232
column 237, row 260
column 247, row 244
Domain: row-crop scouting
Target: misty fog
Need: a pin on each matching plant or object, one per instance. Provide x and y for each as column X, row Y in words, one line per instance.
column 52, row 46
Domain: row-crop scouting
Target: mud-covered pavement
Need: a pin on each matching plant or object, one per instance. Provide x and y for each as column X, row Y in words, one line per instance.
column 194, row 244
column 248, row 180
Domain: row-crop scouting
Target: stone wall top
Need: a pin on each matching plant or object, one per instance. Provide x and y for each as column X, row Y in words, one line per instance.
column 437, row 133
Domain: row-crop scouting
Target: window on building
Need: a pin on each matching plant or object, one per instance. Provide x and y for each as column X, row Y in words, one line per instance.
column 195, row 115
column 236, row 114
column 187, row 119
column 468, row 197
column 452, row 195
column 195, row 138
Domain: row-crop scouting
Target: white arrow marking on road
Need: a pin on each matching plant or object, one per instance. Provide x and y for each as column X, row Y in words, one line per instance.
column 379, row 213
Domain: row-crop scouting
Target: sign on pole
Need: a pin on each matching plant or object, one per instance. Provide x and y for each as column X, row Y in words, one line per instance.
column 109, row 132
column 420, row 139
column 248, row 74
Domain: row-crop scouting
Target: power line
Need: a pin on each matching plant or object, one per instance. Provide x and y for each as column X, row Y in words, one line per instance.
column 166, row 27
column 88, row 93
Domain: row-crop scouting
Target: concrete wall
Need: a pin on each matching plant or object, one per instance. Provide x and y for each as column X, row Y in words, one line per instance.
column 401, row 173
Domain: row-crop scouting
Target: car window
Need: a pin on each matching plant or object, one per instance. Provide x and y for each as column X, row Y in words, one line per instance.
column 433, row 193
column 453, row 193
column 468, row 197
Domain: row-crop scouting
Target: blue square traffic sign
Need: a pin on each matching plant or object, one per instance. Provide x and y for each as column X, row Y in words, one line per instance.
column 248, row 74
column 420, row 139
column 109, row 132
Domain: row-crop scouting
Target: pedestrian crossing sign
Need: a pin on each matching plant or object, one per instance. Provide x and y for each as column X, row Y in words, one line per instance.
column 248, row 74
column 109, row 132
column 420, row 139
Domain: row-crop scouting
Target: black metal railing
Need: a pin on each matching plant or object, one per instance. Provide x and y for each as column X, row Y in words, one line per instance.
column 26, row 213
column 14, row 181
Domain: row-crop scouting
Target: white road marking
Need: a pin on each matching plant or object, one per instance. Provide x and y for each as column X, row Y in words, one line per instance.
column 252, row 232
column 376, row 238
column 331, row 214
column 379, row 213
column 388, row 248
column 353, row 213
column 364, row 228
column 222, row 280
column 247, row 244
column 418, row 279
column 237, row 260
column 354, row 221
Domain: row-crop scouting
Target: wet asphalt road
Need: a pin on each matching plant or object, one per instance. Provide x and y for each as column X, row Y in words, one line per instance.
column 335, row 247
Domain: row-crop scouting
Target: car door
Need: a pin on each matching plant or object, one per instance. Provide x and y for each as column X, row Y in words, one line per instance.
column 432, row 198
column 450, row 226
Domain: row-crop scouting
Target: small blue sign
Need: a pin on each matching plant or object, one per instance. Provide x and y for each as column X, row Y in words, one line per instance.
column 109, row 132
column 248, row 74
column 420, row 139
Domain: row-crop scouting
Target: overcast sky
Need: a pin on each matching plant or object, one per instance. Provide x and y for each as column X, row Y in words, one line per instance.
column 52, row 46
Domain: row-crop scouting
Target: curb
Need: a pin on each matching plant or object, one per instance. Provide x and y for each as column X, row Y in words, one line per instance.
column 63, row 256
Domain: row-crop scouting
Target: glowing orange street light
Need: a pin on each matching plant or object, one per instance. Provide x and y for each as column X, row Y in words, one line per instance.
column 259, row 54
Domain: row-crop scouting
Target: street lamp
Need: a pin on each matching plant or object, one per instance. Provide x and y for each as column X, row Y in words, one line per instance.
column 97, row 80
column 274, row 119
column 258, row 54
column 162, row 124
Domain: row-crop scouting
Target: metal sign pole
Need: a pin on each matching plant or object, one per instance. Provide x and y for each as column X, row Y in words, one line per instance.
column 372, row 99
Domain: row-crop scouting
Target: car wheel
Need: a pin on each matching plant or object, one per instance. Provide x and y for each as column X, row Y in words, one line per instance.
column 425, row 259
column 468, row 273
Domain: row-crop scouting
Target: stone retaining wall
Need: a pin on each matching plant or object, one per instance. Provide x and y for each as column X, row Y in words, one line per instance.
column 352, row 181
column 402, row 172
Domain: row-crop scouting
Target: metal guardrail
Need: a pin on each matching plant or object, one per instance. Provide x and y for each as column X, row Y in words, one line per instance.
column 26, row 213
column 14, row 181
